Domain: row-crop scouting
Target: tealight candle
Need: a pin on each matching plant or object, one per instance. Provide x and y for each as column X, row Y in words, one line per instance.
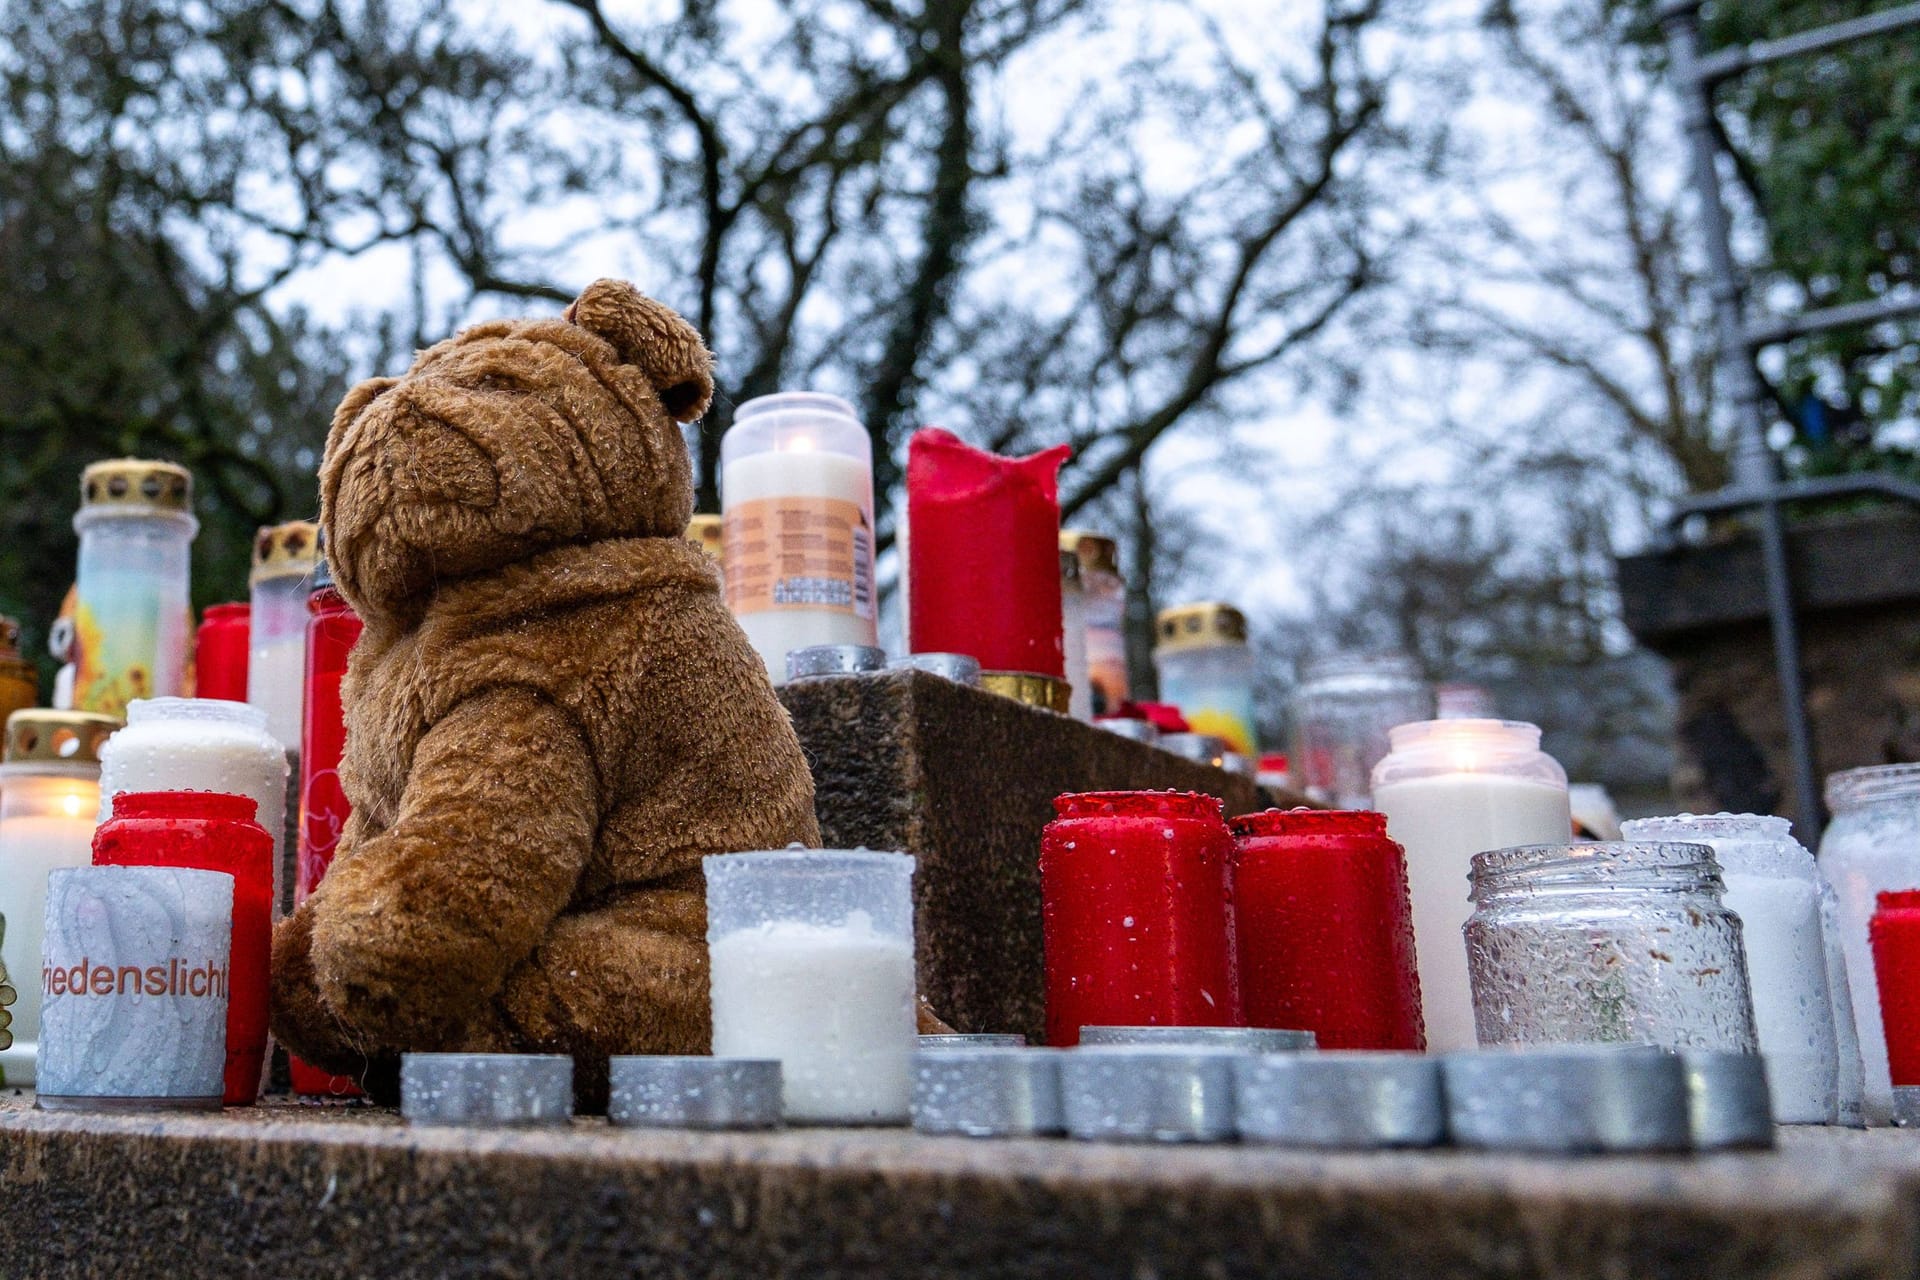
column 812, row 965
column 1452, row 789
column 49, row 794
column 796, row 488
column 132, row 618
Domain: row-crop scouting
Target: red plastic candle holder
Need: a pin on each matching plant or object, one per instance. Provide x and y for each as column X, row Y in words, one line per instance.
column 211, row 831
column 1895, row 934
column 1136, row 914
column 983, row 554
column 1324, row 926
column 220, row 651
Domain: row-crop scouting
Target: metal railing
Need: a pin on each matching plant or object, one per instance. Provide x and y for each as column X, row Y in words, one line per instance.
column 1757, row 484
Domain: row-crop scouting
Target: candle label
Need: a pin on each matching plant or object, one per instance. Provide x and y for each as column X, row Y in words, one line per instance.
column 799, row 553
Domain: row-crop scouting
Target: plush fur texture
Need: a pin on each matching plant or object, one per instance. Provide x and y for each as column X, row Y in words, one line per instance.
column 551, row 715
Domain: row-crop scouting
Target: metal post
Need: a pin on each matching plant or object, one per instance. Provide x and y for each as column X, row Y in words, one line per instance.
column 1755, row 470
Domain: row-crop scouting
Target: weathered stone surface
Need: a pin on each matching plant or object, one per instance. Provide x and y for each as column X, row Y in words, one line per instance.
column 1857, row 582
column 965, row 780
column 316, row 1192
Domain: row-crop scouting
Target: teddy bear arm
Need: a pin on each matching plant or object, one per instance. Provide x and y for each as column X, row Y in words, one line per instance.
column 417, row 926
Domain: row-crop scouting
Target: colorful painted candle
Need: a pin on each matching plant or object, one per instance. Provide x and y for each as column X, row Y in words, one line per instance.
column 132, row 620
column 1137, row 920
column 332, row 630
column 983, row 554
column 1894, row 933
column 211, row 831
column 220, row 653
column 1207, row 670
column 1325, row 928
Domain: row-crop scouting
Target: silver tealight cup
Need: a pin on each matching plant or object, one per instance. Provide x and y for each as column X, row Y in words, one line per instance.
column 1148, row 1093
column 834, row 660
column 1568, row 1099
column 987, row 1092
column 662, row 1092
column 1340, row 1099
column 509, row 1089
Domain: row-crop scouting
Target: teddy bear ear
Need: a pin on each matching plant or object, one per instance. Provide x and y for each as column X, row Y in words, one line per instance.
column 654, row 339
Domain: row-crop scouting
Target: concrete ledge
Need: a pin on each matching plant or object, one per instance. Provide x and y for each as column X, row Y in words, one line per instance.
column 965, row 781
column 315, row 1192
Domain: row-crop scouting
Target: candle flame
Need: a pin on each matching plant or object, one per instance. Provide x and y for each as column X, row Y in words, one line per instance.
column 73, row 804
column 797, row 444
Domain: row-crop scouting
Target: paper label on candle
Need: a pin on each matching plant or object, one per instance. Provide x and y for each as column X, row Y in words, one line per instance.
column 799, row 553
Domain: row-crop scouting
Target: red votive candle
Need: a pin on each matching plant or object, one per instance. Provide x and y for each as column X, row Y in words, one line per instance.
column 211, row 831
column 332, row 630
column 983, row 554
column 1324, row 926
column 1895, row 934
column 1136, row 915
column 220, row 652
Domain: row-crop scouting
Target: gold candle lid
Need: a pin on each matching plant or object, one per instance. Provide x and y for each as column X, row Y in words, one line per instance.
column 1198, row 626
column 42, row 735
column 1098, row 553
column 138, row 484
column 1050, row 692
column 705, row 532
column 284, row 551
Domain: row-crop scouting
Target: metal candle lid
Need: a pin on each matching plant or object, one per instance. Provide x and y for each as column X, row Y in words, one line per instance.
column 40, row 735
column 957, row 667
column 284, row 551
column 137, row 484
column 1238, row 1039
column 1568, row 1098
column 486, row 1088
column 1148, row 1093
column 973, row 1040
column 694, row 1093
column 1728, row 1103
column 1129, row 727
column 834, row 660
column 1098, row 553
column 1199, row 626
column 987, row 1092
column 707, row 532
column 1049, row 693
column 1340, row 1099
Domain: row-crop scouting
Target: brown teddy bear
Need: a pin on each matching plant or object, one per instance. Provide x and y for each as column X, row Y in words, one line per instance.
column 551, row 715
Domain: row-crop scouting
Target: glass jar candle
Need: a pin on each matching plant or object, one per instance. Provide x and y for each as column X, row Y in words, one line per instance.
column 198, row 744
column 1342, row 713
column 1207, row 670
column 1853, row 1072
column 1894, row 934
column 211, row 831
column 283, row 560
column 811, row 956
column 1105, row 596
column 49, row 795
column 796, row 489
column 1073, row 636
column 132, row 618
column 19, row 682
column 1451, row 789
column 1872, row 846
column 1771, row 884
column 220, row 653
column 983, row 555
column 332, row 630
column 1136, row 914
column 1324, row 928
column 1607, row 943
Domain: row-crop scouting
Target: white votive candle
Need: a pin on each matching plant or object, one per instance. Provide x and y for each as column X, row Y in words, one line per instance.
column 283, row 560
column 796, row 488
column 1451, row 789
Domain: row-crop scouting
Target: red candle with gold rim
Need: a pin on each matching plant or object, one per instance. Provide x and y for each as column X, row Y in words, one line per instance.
column 211, row 831
column 983, row 554
column 1895, row 934
column 1325, row 928
column 1137, row 918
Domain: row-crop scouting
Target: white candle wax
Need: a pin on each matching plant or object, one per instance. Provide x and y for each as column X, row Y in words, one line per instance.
column 276, row 683
column 835, row 1004
column 46, row 822
column 1443, row 821
column 805, row 474
column 1787, row 970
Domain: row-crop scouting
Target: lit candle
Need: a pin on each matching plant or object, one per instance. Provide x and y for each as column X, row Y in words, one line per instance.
column 796, row 487
column 1451, row 789
column 983, row 555
column 132, row 617
column 49, row 794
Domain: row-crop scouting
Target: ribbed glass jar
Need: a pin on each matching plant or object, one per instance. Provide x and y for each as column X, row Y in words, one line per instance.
column 1619, row 942
column 1341, row 714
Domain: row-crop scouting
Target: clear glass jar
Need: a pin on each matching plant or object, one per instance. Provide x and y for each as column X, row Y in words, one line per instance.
column 1872, row 846
column 1771, row 884
column 1342, row 712
column 1621, row 943
column 1451, row 789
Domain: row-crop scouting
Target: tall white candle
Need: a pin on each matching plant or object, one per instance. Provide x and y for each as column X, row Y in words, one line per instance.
column 796, row 487
column 1451, row 789
column 277, row 663
column 46, row 823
